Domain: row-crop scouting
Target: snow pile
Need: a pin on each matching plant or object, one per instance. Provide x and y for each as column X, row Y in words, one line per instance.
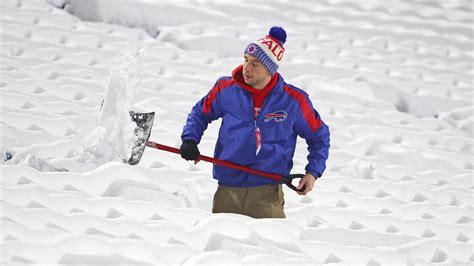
column 113, row 137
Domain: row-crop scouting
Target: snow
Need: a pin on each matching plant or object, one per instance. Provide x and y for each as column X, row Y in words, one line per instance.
column 113, row 137
column 392, row 79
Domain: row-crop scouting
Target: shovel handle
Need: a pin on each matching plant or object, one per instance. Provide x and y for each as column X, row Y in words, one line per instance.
column 284, row 179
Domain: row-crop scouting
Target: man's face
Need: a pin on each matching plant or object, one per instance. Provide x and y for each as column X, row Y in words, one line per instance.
column 255, row 74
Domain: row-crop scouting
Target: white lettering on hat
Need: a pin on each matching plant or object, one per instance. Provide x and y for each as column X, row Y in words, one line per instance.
column 272, row 48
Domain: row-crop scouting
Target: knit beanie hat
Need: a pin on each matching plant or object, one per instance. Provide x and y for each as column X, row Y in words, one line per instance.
column 269, row 49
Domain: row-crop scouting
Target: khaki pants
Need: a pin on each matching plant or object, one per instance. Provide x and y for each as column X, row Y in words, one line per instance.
column 258, row 202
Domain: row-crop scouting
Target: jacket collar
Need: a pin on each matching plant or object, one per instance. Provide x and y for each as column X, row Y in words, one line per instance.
column 275, row 84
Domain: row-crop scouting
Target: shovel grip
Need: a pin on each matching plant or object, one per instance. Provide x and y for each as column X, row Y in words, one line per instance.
column 287, row 181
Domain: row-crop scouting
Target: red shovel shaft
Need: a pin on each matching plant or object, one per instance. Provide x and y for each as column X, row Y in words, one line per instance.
column 216, row 161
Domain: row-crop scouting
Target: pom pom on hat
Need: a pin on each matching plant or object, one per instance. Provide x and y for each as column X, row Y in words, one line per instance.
column 269, row 50
column 278, row 33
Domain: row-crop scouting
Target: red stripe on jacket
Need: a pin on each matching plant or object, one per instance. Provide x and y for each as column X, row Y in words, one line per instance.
column 211, row 96
column 308, row 113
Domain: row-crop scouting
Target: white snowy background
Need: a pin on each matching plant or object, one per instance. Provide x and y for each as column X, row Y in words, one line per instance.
column 392, row 79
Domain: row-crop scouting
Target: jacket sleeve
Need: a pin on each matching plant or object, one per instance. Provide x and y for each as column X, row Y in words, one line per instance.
column 202, row 114
column 316, row 133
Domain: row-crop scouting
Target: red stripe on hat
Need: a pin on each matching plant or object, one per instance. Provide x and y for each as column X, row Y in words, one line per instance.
column 308, row 113
column 211, row 96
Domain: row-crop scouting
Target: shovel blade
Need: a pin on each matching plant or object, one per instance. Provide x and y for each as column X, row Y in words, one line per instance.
column 142, row 133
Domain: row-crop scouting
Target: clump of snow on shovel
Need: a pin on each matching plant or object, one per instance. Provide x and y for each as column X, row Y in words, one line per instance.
column 113, row 137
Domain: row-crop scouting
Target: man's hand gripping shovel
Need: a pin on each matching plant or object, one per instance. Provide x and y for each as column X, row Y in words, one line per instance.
column 144, row 123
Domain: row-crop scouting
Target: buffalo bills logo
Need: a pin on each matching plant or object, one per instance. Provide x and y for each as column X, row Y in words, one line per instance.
column 277, row 116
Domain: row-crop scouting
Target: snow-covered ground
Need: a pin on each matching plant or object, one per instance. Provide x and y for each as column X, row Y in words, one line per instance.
column 392, row 79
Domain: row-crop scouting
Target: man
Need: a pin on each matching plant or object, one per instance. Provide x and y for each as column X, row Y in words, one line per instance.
column 261, row 118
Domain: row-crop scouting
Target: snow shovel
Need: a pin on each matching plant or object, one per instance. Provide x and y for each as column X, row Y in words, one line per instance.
column 144, row 123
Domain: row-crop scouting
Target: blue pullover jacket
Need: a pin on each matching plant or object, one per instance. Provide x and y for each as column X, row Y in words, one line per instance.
column 285, row 114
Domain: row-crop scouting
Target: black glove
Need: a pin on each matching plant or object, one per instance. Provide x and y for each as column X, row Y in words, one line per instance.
column 189, row 150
